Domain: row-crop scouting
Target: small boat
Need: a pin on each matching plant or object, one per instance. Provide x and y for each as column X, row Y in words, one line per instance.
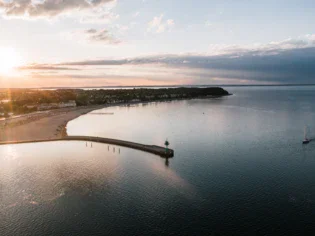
column 306, row 140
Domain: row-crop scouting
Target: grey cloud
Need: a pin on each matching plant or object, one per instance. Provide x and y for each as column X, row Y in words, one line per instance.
column 96, row 63
column 91, row 31
column 103, row 36
column 277, row 65
column 47, row 7
column 46, row 67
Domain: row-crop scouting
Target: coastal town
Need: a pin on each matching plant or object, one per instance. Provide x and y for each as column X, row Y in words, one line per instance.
column 24, row 101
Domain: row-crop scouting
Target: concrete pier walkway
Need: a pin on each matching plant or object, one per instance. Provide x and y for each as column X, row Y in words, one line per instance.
column 157, row 150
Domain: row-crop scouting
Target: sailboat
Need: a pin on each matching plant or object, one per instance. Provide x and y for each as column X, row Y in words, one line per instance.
column 306, row 140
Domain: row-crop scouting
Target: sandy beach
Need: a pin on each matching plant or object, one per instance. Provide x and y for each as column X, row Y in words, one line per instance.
column 46, row 125
column 42, row 125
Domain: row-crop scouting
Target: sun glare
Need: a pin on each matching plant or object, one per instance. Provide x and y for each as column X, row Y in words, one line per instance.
column 9, row 60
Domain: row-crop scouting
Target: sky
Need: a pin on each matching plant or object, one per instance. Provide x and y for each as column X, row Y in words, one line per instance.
column 91, row 43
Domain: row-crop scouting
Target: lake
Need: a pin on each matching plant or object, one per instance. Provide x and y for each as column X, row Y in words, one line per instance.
column 239, row 169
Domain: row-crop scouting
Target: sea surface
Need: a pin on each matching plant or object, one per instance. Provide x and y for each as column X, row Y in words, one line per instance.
column 239, row 169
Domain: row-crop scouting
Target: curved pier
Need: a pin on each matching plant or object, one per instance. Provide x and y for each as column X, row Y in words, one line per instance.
column 157, row 150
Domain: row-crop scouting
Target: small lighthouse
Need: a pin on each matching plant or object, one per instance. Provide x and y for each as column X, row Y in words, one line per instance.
column 167, row 143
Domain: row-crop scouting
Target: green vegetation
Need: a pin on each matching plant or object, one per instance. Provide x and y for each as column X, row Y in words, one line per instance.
column 21, row 101
column 86, row 97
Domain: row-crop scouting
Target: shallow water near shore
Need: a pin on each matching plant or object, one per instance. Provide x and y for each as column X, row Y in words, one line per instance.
column 239, row 169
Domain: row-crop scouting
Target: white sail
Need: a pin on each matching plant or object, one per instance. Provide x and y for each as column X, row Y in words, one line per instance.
column 305, row 133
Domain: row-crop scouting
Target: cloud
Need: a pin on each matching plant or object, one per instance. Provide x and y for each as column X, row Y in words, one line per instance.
column 48, row 8
column 290, row 61
column 305, row 41
column 95, row 63
column 101, row 36
column 158, row 25
column 287, row 61
column 45, row 67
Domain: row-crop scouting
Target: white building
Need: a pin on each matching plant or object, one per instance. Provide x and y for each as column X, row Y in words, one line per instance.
column 71, row 103
column 48, row 106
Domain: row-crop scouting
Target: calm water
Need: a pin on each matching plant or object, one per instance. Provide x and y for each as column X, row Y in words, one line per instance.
column 239, row 169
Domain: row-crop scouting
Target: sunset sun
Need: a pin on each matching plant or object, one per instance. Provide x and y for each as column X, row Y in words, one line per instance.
column 9, row 60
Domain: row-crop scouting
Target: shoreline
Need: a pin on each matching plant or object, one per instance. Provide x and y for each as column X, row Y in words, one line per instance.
column 52, row 124
column 38, row 126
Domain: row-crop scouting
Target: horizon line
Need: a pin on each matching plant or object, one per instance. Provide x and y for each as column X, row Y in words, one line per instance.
column 164, row 86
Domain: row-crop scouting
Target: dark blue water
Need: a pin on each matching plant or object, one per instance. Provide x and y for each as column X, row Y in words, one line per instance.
column 239, row 169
